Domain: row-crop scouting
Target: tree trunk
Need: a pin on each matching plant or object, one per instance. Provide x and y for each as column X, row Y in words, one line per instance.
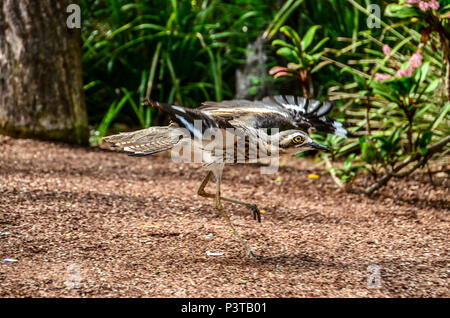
column 41, row 87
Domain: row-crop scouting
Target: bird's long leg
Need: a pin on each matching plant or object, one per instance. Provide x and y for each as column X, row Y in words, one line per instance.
column 201, row 191
column 227, row 218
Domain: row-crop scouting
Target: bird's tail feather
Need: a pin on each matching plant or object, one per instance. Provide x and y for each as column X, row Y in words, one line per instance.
column 145, row 141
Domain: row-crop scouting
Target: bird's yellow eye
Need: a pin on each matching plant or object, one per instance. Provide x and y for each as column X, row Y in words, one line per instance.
column 298, row 139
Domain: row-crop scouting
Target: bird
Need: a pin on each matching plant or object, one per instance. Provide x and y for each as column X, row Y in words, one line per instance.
column 232, row 132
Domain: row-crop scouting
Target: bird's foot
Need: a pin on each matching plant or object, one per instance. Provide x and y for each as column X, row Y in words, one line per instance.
column 256, row 212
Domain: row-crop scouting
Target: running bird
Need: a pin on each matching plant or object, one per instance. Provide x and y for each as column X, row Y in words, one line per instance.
column 234, row 125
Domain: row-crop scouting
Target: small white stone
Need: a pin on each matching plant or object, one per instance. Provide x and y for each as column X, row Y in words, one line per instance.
column 213, row 254
column 10, row 260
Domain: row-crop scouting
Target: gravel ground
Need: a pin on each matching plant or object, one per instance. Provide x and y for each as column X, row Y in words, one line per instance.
column 84, row 222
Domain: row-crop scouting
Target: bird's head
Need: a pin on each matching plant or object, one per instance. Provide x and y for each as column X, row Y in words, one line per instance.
column 296, row 141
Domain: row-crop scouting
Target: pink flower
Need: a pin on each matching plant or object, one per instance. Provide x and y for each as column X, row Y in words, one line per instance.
column 382, row 77
column 434, row 5
column 415, row 61
column 404, row 73
column 423, row 5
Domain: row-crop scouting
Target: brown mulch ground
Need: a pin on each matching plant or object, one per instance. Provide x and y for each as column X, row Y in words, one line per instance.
column 135, row 227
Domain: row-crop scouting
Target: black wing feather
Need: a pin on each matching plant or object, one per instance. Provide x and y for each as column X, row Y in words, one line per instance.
column 308, row 112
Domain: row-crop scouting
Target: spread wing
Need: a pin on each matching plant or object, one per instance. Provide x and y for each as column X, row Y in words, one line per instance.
column 194, row 120
column 254, row 114
column 145, row 141
column 278, row 111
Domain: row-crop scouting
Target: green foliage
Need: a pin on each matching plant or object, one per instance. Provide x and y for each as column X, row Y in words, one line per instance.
column 302, row 59
column 402, row 11
column 298, row 53
column 172, row 51
column 395, row 98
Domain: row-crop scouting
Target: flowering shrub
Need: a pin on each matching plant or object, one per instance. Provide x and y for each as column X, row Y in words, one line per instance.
column 393, row 87
column 414, row 62
column 424, row 5
column 398, row 95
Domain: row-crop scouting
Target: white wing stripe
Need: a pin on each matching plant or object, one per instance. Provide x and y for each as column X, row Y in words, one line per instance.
column 180, row 109
column 197, row 134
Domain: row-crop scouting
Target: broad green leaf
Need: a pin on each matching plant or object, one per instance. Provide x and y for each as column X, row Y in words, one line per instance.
column 291, row 33
column 282, row 43
column 289, row 54
column 402, row 11
column 309, row 36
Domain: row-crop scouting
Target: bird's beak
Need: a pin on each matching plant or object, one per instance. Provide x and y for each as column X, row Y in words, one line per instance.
column 315, row 145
